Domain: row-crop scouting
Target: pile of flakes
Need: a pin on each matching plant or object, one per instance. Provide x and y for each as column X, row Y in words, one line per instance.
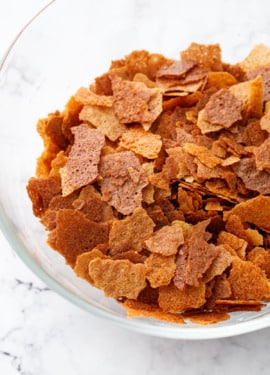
column 154, row 183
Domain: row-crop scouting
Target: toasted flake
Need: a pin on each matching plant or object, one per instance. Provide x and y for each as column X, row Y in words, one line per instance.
column 178, row 87
column 137, row 309
column 205, row 126
column 88, row 97
column 203, row 154
column 75, row 234
column 57, row 163
column 254, row 237
column 140, row 77
column 236, row 243
column 135, row 102
column 185, row 200
column 166, row 240
column 160, row 269
column 230, row 160
column 262, row 155
column 220, row 80
column 122, row 181
column 142, row 142
column 82, row 263
column 264, row 72
column 131, row 232
column 118, row 278
column 248, row 281
column 179, row 279
column 208, row 56
column 90, row 203
column 235, row 226
column 253, row 178
column 258, row 57
column 223, row 109
column 148, row 193
column 201, row 254
column 41, row 191
column 219, row 265
column 82, row 164
column 250, row 93
column 104, row 119
column 187, row 100
column 173, row 300
column 222, row 288
column 261, row 258
column 131, row 255
column 176, row 69
column 213, row 205
column 254, row 211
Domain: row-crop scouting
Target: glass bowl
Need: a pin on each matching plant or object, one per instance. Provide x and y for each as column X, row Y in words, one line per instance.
column 64, row 47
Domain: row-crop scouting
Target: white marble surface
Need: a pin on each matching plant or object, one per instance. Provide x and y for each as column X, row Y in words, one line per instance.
column 42, row 334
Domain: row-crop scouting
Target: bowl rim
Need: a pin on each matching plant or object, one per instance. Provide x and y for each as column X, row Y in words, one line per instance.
column 174, row 331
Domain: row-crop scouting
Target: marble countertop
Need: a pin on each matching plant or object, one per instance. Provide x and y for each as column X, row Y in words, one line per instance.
column 43, row 334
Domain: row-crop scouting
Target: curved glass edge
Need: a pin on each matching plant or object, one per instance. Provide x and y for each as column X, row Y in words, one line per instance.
column 166, row 332
column 6, row 54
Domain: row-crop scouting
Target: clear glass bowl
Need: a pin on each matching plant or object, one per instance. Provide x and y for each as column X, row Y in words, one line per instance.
column 68, row 44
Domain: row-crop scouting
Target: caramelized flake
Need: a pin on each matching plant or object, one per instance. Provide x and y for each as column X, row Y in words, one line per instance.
column 118, row 278
column 166, row 240
column 122, row 181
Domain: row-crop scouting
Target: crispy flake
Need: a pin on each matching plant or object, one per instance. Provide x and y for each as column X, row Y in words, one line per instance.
column 142, row 142
column 203, row 154
column 205, row 126
column 135, row 102
column 258, row 57
column 219, row 265
column 250, row 93
column 262, row 155
column 166, row 240
column 173, row 300
column 248, row 281
column 264, row 72
column 236, row 243
column 87, row 97
column 131, row 232
column 82, row 164
column 208, row 56
column 75, row 234
column 41, row 191
column 201, row 254
column 104, row 119
column 254, row 211
column 122, row 181
column 220, row 80
column 82, row 263
column 254, row 237
column 118, row 278
column 160, row 269
column 261, row 258
column 223, row 109
column 176, row 69
column 253, row 178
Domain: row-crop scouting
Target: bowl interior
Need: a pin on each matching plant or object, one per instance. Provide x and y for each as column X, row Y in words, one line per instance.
column 64, row 48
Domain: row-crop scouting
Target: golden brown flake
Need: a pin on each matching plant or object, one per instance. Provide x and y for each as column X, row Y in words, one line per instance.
column 118, row 278
column 166, row 240
column 131, row 232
